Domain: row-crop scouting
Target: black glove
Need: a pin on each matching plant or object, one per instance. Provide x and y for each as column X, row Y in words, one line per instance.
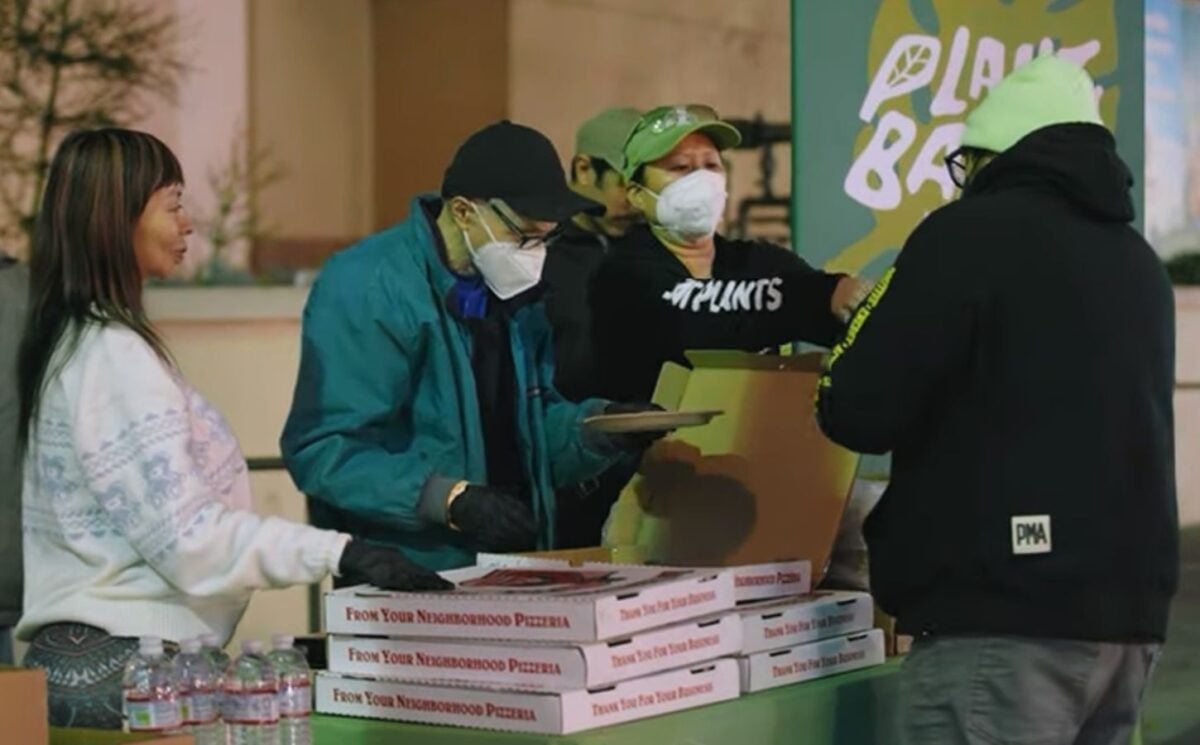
column 386, row 568
column 494, row 519
column 633, row 442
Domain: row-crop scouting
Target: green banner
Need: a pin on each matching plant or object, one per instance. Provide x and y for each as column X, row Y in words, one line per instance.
column 880, row 88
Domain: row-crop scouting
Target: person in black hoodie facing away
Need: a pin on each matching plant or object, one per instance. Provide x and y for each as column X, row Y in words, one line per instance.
column 1018, row 362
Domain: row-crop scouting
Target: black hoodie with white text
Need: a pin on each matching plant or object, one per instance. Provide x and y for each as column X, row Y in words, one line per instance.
column 647, row 308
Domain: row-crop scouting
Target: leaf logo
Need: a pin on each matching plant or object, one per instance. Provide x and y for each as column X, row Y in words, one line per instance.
column 910, row 64
column 925, row 74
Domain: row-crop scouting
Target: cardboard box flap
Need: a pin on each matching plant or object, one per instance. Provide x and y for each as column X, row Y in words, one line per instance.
column 724, row 359
column 759, row 483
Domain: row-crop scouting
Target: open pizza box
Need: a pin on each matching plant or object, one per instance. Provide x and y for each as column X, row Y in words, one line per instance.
column 760, row 484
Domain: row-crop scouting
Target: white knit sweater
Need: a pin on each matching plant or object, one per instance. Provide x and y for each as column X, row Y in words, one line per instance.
column 136, row 504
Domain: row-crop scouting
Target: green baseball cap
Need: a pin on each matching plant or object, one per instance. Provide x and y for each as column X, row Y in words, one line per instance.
column 1046, row 90
column 603, row 136
column 660, row 130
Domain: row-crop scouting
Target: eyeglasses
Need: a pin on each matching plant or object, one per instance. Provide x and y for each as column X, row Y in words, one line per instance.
column 958, row 164
column 669, row 117
column 524, row 240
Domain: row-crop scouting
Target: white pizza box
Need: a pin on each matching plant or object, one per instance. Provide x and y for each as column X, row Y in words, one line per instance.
column 841, row 654
column 776, row 579
column 750, row 581
column 535, row 603
column 544, row 665
column 786, row 622
column 521, row 710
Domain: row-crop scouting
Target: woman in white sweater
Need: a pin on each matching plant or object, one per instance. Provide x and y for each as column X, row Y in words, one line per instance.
column 136, row 498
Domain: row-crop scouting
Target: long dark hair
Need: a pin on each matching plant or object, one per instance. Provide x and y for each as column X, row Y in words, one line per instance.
column 83, row 267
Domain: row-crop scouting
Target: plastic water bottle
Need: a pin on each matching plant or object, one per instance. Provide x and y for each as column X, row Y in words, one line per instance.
column 295, row 690
column 199, row 685
column 211, row 648
column 251, row 703
column 149, row 695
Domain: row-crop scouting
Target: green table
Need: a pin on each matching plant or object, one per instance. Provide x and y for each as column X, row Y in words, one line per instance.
column 852, row 709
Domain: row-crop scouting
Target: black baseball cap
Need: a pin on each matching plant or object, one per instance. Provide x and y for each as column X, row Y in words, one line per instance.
column 518, row 165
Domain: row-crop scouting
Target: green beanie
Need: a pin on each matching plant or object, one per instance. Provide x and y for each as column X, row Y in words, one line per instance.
column 1044, row 91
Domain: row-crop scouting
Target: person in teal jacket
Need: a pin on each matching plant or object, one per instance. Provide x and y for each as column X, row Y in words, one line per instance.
column 424, row 414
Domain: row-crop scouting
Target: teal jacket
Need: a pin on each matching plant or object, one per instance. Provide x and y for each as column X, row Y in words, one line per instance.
column 385, row 407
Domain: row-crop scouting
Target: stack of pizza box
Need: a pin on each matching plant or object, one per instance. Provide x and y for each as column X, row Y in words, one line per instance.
column 547, row 649
column 796, row 639
column 790, row 634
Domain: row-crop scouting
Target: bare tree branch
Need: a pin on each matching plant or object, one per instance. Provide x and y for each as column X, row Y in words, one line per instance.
column 66, row 64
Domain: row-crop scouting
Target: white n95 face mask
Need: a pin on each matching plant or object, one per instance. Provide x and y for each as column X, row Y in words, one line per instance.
column 507, row 269
column 691, row 207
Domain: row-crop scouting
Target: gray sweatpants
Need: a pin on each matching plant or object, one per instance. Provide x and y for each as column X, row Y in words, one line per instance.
column 1008, row 690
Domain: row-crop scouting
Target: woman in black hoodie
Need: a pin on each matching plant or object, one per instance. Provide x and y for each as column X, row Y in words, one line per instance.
column 675, row 284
